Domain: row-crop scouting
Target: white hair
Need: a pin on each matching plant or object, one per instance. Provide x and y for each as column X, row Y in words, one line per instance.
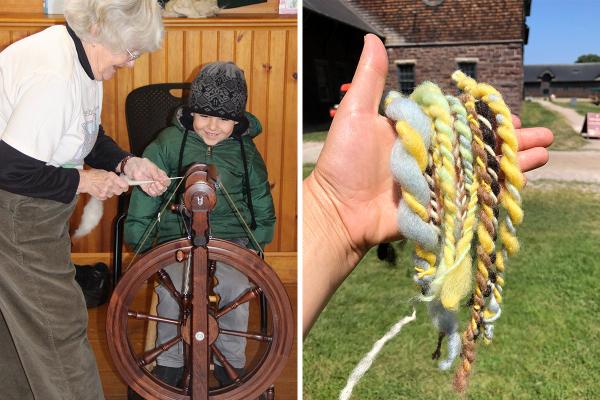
column 117, row 24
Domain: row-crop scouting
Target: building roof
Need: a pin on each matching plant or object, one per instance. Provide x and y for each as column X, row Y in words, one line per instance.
column 338, row 10
column 408, row 23
column 583, row 72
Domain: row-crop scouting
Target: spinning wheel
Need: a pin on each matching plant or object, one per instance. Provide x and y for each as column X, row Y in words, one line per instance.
column 198, row 325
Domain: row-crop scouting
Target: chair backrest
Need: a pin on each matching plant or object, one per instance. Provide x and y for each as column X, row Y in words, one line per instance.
column 148, row 110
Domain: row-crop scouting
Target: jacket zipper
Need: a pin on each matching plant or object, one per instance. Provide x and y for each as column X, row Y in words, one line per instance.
column 209, row 152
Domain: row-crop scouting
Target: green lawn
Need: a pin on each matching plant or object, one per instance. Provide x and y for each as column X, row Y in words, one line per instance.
column 565, row 138
column 581, row 107
column 546, row 344
column 307, row 169
column 314, row 136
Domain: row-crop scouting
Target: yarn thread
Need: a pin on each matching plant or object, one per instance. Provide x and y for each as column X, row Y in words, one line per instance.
column 451, row 198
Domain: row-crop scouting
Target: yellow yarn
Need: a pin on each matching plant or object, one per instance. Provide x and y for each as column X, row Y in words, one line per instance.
column 509, row 241
column 431, row 99
column 457, row 282
column 413, row 143
column 415, row 206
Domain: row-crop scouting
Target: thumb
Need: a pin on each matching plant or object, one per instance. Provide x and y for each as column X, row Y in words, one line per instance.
column 369, row 79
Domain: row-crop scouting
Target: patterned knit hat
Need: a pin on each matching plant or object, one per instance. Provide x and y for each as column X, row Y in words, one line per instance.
column 219, row 90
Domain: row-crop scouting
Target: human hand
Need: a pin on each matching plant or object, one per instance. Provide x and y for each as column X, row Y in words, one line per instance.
column 101, row 184
column 142, row 169
column 353, row 169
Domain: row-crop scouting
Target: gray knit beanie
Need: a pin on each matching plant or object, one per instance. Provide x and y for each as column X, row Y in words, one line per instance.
column 219, row 90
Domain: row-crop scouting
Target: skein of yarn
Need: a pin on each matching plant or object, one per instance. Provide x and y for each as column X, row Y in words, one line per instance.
column 452, row 201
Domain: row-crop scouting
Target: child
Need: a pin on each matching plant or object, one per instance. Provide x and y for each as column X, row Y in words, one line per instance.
column 212, row 129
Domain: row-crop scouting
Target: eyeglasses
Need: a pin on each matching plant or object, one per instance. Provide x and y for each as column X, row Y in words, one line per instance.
column 133, row 55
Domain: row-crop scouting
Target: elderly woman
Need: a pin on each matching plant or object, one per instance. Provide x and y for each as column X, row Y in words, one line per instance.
column 50, row 105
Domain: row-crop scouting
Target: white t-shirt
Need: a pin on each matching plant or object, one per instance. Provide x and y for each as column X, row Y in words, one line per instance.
column 49, row 107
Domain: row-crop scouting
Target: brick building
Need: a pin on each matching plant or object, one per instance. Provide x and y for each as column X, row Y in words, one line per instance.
column 430, row 39
column 562, row 80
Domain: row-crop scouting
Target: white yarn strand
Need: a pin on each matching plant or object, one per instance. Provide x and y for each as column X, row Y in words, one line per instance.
column 364, row 364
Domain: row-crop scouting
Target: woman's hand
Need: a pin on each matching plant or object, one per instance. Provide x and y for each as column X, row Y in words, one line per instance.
column 101, row 184
column 350, row 199
column 142, row 169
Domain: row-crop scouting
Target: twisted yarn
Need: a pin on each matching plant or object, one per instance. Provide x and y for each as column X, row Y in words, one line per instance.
column 446, row 164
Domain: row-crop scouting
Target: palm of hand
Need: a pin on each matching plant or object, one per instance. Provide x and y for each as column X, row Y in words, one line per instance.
column 354, row 170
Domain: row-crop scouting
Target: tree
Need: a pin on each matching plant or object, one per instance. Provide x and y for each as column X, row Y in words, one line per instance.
column 586, row 58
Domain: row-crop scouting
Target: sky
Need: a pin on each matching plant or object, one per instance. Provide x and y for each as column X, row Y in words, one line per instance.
column 562, row 30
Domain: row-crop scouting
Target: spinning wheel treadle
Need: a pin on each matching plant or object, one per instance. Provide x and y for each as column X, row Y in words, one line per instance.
column 198, row 323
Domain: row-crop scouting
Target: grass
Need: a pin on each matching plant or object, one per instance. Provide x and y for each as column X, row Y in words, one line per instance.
column 307, row 169
column 546, row 341
column 314, row 136
column 565, row 138
column 581, row 107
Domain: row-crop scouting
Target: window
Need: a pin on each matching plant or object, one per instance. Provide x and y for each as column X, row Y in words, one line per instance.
column 469, row 68
column 406, row 78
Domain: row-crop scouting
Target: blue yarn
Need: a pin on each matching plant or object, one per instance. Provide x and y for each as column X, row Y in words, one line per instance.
column 446, row 321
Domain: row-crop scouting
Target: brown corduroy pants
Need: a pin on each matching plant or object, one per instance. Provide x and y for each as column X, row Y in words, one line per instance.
column 44, row 350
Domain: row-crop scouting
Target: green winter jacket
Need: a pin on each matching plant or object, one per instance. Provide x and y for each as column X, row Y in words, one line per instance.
column 226, row 156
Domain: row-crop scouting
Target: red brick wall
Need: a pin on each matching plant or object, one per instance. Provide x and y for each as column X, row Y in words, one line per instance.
column 501, row 65
column 412, row 21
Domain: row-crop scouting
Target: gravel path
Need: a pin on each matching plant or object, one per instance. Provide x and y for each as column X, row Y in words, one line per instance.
column 572, row 117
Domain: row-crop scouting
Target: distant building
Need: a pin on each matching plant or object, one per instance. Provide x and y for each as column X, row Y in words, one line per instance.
column 562, row 80
column 430, row 39
column 332, row 41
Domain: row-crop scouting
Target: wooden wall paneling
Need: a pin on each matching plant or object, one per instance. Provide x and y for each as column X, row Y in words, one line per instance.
column 289, row 188
column 17, row 35
column 210, row 46
column 21, row 6
column 193, row 45
column 243, row 59
column 226, row 45
column 259, row 77
column 124, row 80
column 258, row 100
column 175, row 55
column 276, row 71
column 4, row 39
column 158, row 63
column 141, row 71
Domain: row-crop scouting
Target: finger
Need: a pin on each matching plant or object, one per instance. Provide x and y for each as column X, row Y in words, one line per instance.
column 516, row 121
column 121, row 183
column 531, row 159
column 369, row 79
column 530, row 138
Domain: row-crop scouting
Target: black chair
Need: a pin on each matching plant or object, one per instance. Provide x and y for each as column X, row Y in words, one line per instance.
column 148, row 110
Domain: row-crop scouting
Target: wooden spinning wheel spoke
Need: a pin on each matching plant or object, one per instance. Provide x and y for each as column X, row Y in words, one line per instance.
column 148, row 317
column 166, row 281
column 244, row 298
column 151, row 355
column 247, row 335
column 229, row 369
column 187, row 372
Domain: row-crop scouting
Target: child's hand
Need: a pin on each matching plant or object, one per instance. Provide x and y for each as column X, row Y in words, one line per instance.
column 142, row 169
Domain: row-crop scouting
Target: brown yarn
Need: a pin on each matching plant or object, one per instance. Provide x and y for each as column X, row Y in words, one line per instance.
column 485, row 198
